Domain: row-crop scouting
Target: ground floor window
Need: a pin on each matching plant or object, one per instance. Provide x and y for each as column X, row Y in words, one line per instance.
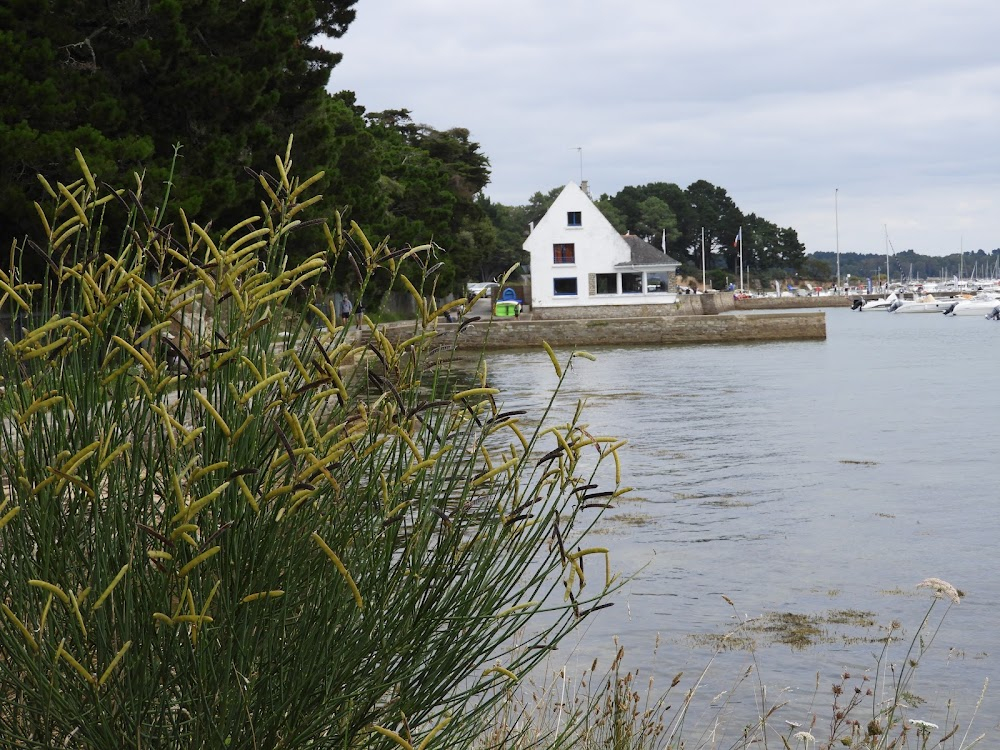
column 564, row 287
column 606, row 283
column 631, row 283
column 656, row 282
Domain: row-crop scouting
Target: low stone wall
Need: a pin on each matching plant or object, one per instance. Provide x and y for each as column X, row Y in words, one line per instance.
column 792, row 303
column 662, row 330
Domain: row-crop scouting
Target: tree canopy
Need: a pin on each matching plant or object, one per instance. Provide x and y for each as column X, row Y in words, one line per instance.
column 228, row 82
column 683, row 214
column 125, row 81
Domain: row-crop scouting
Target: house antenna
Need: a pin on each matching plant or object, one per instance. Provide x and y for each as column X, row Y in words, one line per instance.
column 579, row 149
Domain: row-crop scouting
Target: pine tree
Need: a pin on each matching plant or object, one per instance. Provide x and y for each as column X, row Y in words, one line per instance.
column 125, row 80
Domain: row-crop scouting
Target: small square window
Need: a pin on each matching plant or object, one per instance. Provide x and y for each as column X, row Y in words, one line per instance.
column 564, row 287
column 573, row 219
column 564, row 253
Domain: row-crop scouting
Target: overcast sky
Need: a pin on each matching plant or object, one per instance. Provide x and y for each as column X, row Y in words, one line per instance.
column 880, row 117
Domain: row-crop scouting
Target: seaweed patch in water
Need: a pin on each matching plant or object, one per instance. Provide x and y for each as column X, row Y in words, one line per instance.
column 856, row 617
column 727, row 501
column 797, row 630
column 792, row 629
column 615, row 524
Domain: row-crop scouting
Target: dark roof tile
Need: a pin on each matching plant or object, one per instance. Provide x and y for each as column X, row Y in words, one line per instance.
column 644, row 254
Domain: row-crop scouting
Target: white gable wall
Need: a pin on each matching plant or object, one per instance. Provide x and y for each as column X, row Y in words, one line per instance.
column 598, row 247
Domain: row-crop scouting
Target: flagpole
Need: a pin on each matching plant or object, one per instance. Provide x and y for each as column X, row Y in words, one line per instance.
column 741, row 260
column 704, row 286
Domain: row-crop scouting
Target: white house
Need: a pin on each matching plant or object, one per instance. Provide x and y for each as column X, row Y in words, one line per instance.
column 578, row 259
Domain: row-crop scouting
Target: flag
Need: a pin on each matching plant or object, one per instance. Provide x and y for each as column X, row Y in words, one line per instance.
column 739, row 236
column 663, row 241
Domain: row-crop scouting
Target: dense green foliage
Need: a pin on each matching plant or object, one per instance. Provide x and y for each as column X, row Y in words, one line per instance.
column 228, row 81
column 684, row 213
column 126, row 80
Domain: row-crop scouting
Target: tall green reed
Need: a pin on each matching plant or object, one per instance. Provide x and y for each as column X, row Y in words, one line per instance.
column 226, row 521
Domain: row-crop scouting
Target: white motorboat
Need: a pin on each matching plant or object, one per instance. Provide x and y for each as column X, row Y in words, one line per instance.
column 879, row 304
column 925, row 304
column 981, row 304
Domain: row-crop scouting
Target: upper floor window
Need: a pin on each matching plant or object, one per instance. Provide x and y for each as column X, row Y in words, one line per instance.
column 564, row 253
column 573, row 219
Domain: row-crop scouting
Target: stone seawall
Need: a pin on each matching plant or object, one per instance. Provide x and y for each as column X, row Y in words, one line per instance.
column 662, row 330
column 792, row 303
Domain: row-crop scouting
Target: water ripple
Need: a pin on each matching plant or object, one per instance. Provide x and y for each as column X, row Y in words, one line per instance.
column 799, row 477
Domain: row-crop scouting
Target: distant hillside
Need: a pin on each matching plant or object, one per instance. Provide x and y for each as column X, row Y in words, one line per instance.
column 909, row 264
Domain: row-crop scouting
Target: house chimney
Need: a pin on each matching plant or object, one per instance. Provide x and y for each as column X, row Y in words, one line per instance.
column 585, row 188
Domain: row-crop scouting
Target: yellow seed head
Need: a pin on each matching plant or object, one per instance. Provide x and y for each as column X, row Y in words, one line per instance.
column 110, row 588
column 114, row 663
column 262, row 595
column 198, row 560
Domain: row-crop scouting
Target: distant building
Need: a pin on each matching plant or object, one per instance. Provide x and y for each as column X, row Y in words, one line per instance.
column 578, row 259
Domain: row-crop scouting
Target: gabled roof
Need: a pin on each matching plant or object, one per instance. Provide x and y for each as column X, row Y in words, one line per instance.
column 644, row 254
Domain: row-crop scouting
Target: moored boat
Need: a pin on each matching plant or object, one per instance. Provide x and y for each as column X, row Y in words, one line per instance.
column 879, row 304
column 981, row 304
column 925, row 304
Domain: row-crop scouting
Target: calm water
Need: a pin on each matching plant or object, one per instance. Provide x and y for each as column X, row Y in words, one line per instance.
column 808, row 478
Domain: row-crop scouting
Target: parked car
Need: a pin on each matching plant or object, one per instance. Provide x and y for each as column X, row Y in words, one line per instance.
column 475, row 287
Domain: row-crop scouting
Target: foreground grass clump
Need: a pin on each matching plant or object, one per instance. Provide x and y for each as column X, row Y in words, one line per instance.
column 222, row 525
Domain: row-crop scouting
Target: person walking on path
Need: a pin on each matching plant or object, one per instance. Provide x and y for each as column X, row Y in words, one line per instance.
column 345, row 310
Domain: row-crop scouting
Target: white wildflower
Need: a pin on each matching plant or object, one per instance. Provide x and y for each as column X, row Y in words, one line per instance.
column 922, row 725
column 942, row 589
column 803, row 737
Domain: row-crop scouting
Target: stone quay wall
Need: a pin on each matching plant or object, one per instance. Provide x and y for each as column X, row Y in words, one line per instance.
column 793, row 303
column 660, row 330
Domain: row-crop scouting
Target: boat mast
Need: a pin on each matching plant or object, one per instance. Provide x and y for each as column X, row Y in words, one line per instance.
column 836, row 224
column 886, row 228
